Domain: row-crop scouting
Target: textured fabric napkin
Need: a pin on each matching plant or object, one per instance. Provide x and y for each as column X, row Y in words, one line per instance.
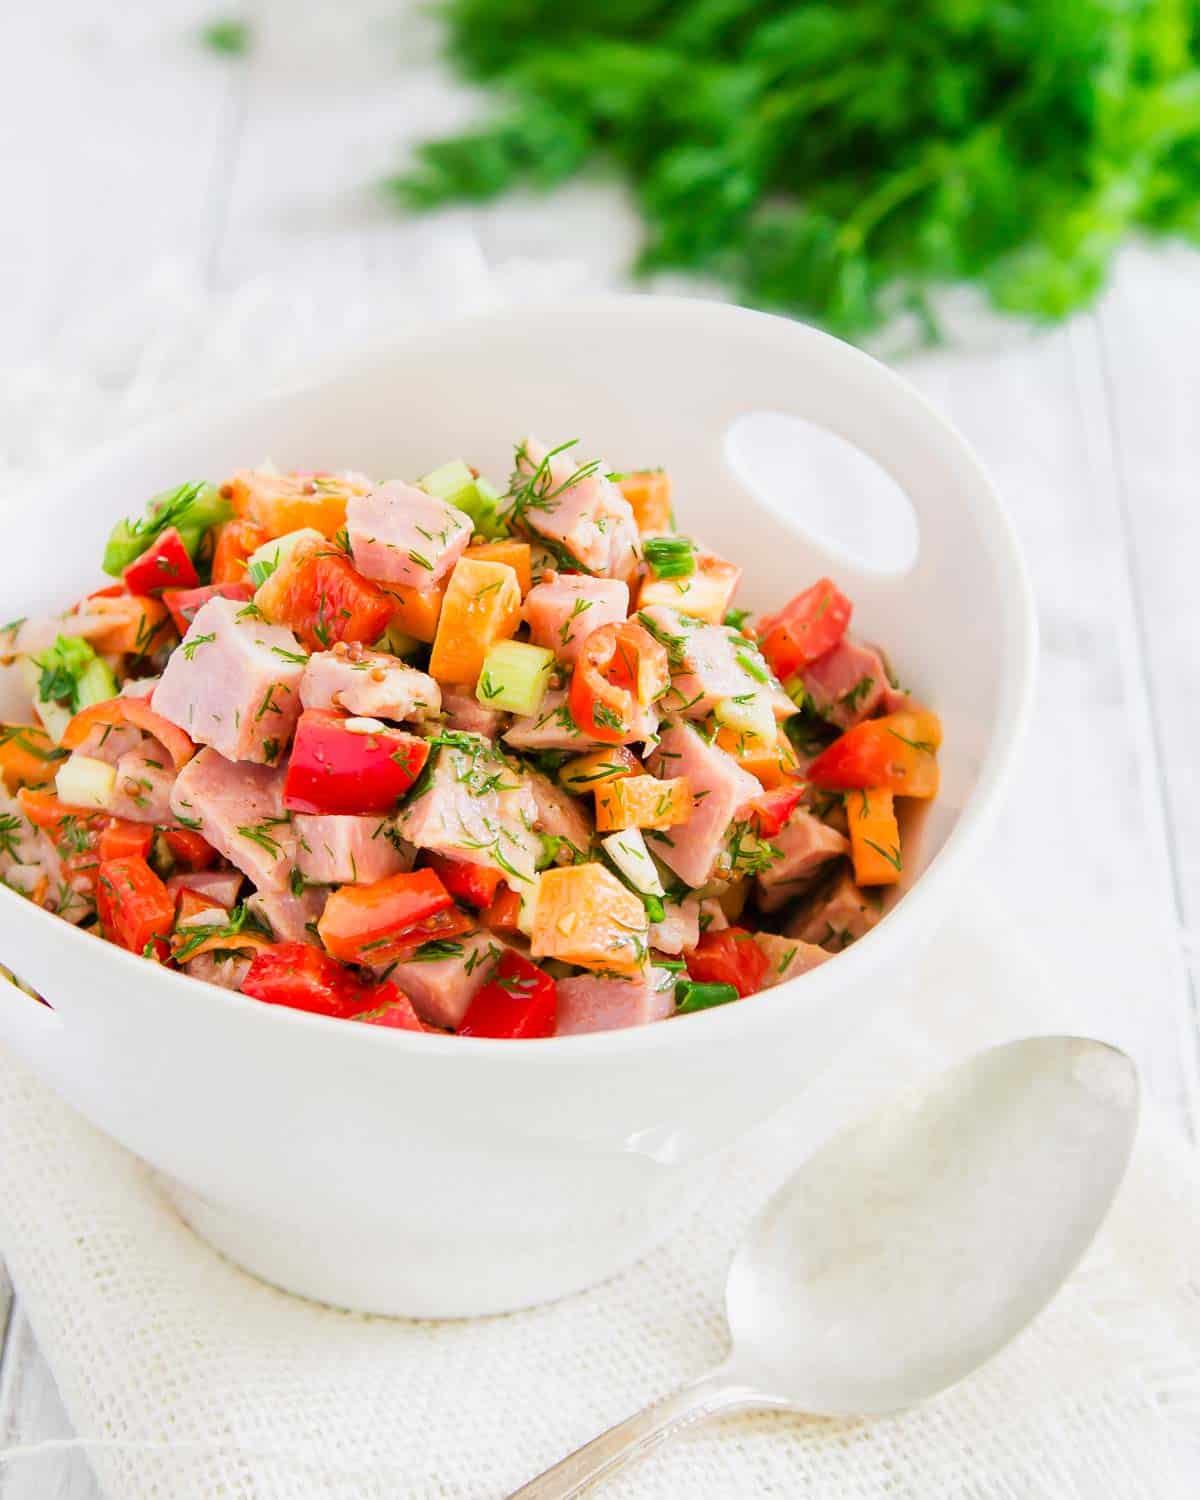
column 188, row 1379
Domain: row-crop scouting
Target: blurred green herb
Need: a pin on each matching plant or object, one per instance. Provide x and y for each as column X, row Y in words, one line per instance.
column 843, row 160
column 230, row 38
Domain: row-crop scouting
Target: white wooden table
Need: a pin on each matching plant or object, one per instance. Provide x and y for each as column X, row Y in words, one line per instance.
column 126, row 147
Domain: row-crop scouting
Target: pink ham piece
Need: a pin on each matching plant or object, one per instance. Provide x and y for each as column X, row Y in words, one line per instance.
column 848, row 683
column 804, row 844
column 788, row 958
column 239, row 810
column 563, row 610
column 142, row 790
column 464, row 711
column 234, row 683
column 337, row 850
column 836, row 916
column 399, row 534
column 442, row 989
column 221, row 887
column 708, row 663
column 721, row 791
column 291, row 918
column 139, row 687
column 368, row 683
column 586, row 517
column 109, row 742
column 476, row 807
column 589, row 1004
column 553, row 728
column 560, row 816
column 679, row 929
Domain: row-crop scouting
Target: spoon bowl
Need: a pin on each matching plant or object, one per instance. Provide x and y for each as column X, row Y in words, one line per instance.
column 910, row 1248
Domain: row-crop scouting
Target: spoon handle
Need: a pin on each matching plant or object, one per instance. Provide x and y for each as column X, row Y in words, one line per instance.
column 638, row 1435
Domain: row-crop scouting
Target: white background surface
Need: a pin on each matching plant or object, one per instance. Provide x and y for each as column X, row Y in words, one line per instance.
column 138, row 170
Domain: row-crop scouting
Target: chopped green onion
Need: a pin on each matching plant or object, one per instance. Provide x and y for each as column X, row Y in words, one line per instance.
column 670, row 556
column 692, row 994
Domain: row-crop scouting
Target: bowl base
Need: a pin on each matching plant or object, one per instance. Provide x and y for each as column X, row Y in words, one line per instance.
column 397, row 1273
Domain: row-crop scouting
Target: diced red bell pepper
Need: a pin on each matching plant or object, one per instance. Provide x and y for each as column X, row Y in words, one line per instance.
column 189, row 849
column 619, row 671
column 897, row 753
column 520, row 1000
column 136, row 910
column 325, row 600
column 729, row 957
column 165, row 564
column 504, row 914
column 183, row 603
column 475, row 884
column 120, row 837
column 771, row 810
column 303, row 978
column 333, row 769
column 365, row 923
column 389, row 1007
column 804, row 629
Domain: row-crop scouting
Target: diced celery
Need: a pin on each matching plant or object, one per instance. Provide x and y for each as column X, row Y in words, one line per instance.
column 193, row 508
column 265, row 559
column 397, row 643
column 454, row 483
column 749, row 713
column 529, row 899
column 628, row 852
column 84, row 782
column 96, row 684
column 54, row 716
column 515, row 677
column 64, row 679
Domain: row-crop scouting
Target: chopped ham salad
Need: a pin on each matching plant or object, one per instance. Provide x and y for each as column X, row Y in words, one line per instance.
column 439, row 757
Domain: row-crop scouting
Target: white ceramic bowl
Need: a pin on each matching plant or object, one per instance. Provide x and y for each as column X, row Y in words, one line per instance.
column 434, row 1176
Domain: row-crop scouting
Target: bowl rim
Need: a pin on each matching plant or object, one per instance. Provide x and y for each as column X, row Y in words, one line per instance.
column 972, row 824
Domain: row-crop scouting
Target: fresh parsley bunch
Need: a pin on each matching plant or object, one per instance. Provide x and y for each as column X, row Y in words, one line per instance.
column 842, row 160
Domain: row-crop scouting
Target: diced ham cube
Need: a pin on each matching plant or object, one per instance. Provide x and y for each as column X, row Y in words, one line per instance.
column 442, row 989
column 368, row 683
column 709, row 663
column 239, row 810
column 590, row 1004
column 476, row 806
column 553, row 728
column 804, row 844
column 679, row 929
column 836, row 916
column 586, row 517
column 464, row 711
column 234, row 684
column 787, row 958
column 565, row 609
column 221, row 887
column 345, row 850
column 142, row 790
column 848, row 683
column 27, row 856
column 561, row 816
column 721, row 791
column 399, row 534
column 291, row 918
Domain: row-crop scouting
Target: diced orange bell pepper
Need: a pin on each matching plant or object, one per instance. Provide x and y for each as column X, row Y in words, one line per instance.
column 236, row 540
column 585, row 916
column 706, row 593
column 772, row 764
column 139, row 624
column 415, row 613
column 482, row 606
column 587, row 772
column 28, row 756
column 387, row 919
column 280, row 503
column 518, row 555
column 874, row 837
column 649, row 493
column 897, row 751
column 643, row 802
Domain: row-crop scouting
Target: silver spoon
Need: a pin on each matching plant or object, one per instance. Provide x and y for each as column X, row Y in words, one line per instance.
column 909, row 1249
